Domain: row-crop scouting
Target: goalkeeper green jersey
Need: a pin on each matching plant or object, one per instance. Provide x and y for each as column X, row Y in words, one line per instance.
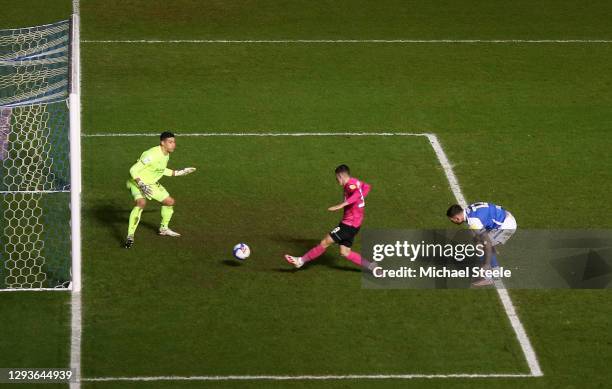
column 151, row 166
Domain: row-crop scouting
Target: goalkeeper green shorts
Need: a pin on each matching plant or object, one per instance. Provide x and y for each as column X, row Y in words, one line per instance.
column 159, row 192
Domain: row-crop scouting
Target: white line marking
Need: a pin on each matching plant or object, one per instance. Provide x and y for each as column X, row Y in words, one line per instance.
column 263, row 134
column 448, row 169
column 305, row 377
column 519, row 330
column 75, row 338
column 289, row 41
column 504, row 296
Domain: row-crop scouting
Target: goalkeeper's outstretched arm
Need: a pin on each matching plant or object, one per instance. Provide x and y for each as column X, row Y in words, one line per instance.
column 180, row 172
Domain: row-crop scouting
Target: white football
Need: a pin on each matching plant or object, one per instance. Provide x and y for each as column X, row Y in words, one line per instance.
column 242, row 251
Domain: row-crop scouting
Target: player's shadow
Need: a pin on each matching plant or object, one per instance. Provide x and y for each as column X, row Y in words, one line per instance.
column 114, row 218
column 148, row 224
column 328, row 259
column 110, row 216
column 353, row 268
column 231, row 263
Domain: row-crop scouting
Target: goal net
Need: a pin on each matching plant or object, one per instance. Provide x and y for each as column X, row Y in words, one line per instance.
column 35, row 176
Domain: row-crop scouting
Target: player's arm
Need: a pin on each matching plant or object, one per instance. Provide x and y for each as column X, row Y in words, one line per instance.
column 180, row 172
column 338, row 206
column 135, row 172
column 365, row 189
column 355, row 196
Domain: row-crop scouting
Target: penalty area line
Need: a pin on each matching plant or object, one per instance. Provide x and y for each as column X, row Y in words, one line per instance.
column 502, row 292
column 307, row 377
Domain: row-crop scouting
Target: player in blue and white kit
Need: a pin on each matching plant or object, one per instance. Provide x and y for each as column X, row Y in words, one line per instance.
column 492, row 223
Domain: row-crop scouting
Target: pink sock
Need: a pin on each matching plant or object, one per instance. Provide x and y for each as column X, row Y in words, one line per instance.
column 313, row 253
column 354, row 257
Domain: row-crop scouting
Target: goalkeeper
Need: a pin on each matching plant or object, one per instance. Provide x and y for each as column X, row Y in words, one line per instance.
column 143, row 185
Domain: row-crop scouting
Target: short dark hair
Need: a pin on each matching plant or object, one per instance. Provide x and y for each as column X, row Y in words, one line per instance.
column 454, row 210
column 165, row 135
column 343, row 169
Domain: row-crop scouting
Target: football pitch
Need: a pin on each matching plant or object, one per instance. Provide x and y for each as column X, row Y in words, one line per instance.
column 426, row 101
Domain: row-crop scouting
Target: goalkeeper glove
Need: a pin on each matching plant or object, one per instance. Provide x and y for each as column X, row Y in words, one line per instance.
column 145, row 189
column 185, row 171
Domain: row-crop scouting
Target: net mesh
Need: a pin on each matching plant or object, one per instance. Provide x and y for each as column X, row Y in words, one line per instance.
column 34, row 64
column 34, row 157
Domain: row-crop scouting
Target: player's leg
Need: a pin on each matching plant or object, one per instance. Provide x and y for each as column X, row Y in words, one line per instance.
column 498, row 237
column 167, row 210
column 139, row 204
column 347, row 236
column 356, row 258
column 502, row 235
column 312, row 254
column 319, row 249
column 160, row 194
column 351, row 255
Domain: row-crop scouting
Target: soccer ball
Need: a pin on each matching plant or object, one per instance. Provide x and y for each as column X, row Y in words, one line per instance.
column 241, row 251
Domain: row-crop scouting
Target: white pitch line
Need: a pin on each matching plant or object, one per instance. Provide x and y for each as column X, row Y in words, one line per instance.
column 502, row 292
column 305, row 377
column 76, row 333
column 448, row 169
column 290, row 41
column 253, row 134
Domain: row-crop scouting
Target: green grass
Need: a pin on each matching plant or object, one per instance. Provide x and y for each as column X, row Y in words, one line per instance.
column 538, row 113
column 344, row 19
column 35, row 329
column 526, row 125
column 191, row 285
column 27, row 13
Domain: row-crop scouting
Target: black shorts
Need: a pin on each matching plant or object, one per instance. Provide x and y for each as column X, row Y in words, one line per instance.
column 344, row 234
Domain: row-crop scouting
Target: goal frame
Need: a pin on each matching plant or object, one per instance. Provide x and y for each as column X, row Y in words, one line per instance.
column 75, row 153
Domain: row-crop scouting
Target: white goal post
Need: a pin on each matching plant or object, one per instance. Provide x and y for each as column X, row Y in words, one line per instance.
column 75, row 153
